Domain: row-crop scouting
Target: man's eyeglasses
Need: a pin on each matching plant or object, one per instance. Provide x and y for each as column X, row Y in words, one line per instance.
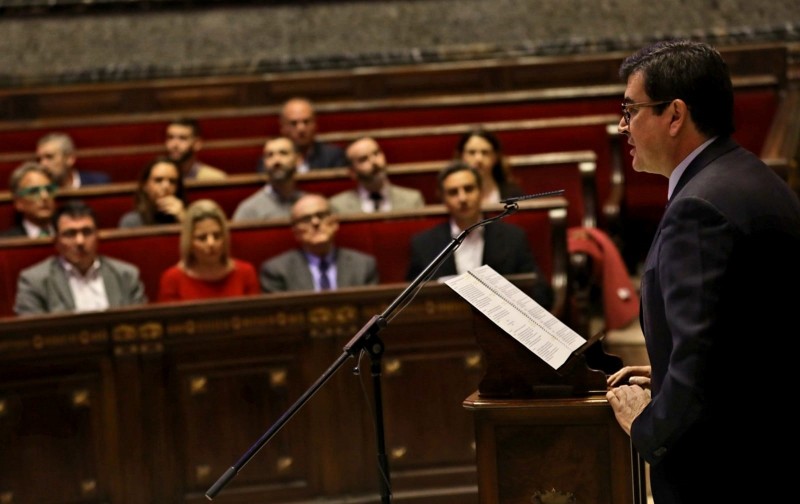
column 34, row 192
column 307, row 219
column 73, row 233
column 627, row 108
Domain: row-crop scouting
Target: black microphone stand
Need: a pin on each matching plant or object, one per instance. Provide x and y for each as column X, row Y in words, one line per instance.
column 366, row 339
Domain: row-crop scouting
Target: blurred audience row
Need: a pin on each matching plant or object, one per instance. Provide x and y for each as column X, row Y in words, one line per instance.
column 160, row 197
column 76, row 278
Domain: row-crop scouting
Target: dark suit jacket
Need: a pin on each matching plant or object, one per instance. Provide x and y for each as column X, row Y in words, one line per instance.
column 290, row 272
column 14, row 231
column 719, row 302
column 93, row 178
column 325, row 155
column 505, row 249
column 322, row 155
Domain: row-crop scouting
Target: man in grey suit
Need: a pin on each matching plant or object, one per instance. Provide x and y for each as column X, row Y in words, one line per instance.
column 374, row 192
column 318, row 264
column 276, row 198
column 77, row 279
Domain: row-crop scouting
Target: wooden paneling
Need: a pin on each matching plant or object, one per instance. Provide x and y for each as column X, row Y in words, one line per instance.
column 155, row 403
column 506, row 74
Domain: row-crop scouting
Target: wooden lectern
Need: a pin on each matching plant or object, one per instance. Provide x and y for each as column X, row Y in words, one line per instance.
column 548, row 436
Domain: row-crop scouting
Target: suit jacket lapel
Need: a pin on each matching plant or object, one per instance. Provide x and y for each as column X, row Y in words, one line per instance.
column 443, row 238
column 60, row 283
column 302, row 271
column 113, row 288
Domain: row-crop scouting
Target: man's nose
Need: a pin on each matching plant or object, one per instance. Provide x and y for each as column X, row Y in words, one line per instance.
column 622, row 126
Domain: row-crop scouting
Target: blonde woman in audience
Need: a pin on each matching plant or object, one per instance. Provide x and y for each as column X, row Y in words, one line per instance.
column 481, row 150
column 160, row 197
column 206, row 269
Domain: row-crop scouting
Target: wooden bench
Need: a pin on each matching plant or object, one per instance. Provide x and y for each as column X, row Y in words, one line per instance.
column 121, row 148
column 386, row 236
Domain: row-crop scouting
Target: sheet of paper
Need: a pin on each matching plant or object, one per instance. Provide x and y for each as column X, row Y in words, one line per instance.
column 517, row 314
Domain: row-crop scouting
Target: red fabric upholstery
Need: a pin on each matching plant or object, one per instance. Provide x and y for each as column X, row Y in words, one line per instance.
column 157, row 249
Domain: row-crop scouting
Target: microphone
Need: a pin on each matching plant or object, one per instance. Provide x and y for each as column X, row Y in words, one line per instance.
column 515, row 199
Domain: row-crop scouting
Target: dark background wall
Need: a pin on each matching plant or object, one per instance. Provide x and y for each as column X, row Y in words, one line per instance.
column 51, row 41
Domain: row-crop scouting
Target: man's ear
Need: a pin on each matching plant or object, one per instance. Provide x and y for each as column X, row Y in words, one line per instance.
column 335, row 222
column 679, row 116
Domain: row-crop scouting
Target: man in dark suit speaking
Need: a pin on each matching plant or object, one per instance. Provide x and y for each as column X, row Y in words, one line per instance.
column 718, row 299
column 318, row 264
column 504, row 247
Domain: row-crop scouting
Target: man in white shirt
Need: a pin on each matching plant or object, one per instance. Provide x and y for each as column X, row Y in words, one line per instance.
column 503, row 246
column 77, row 279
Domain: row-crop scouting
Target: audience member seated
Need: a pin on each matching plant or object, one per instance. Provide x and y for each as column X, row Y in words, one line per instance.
column 33, row 190
column 374, row 192
column 501, row 245
column 183, row 142
column 482, row 150
column 276, row 198
column 56, row 152
column 299, row 122
column 206, row 269
column 318, row 264
column 77, row 279
column 160, row 197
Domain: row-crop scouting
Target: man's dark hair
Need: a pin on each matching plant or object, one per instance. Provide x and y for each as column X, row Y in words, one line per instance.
column 691, row 71
column 190, row 123
column 456, row 166
column 73, row 208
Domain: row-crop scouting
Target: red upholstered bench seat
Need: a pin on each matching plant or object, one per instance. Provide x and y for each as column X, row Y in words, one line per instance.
column 385, row 236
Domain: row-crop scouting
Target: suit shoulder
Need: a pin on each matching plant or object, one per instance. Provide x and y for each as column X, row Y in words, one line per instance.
column 284, row 258
column 119, row 264
column 357, row 254
column 39, row 269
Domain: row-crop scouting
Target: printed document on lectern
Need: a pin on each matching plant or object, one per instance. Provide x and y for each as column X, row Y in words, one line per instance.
column 517, row 314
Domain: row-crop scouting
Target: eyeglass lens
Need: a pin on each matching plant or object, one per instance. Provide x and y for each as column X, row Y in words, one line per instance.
column 306, row 219
column 36, row 191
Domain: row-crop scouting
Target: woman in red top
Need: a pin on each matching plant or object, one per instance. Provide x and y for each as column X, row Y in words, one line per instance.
column 206, row 269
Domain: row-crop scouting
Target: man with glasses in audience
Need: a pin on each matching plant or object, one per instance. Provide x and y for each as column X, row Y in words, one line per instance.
column 318, row 264
column 33, row 190
column 77, row 279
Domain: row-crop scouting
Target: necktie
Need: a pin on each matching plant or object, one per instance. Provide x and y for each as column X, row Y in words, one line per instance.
column 324, row 281
column 376, row 198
